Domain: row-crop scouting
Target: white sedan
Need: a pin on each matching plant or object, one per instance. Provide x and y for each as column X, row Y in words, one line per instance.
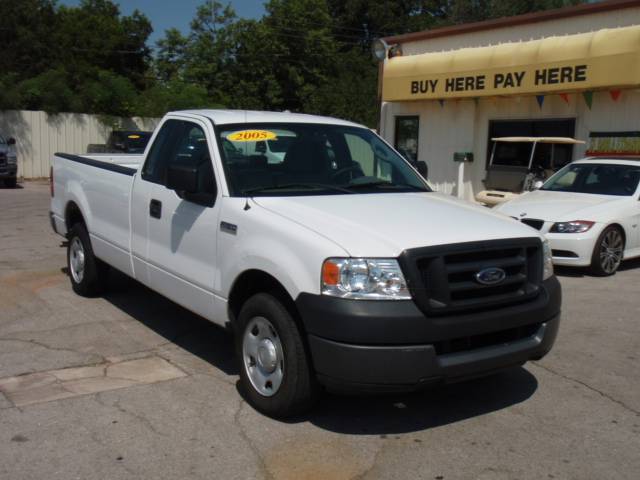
column 589, row 211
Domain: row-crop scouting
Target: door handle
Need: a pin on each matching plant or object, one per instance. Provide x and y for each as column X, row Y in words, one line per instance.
column 155, row 208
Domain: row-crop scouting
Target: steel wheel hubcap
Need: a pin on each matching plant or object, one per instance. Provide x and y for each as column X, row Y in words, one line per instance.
column 76, row 260
column 611, row 251
column 262, row 356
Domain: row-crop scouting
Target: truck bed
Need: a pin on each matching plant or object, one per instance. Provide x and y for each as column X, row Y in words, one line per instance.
column 100, row 185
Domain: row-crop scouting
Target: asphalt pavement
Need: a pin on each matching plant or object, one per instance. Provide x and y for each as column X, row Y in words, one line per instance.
column 130, row 385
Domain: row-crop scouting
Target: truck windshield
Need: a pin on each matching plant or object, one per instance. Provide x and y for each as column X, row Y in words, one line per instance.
column 596, row 178
column 277, row 159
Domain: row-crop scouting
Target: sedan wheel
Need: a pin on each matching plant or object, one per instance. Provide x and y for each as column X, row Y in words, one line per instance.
column 608, row 252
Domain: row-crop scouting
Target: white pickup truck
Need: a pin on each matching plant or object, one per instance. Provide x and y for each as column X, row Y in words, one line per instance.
column 336, row 267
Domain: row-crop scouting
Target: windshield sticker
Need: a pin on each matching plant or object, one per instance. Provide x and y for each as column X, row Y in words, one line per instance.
column 251, row 136
column 134, row 136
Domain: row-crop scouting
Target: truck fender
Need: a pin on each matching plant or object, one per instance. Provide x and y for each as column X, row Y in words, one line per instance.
column 278, row 271
column 75, row 194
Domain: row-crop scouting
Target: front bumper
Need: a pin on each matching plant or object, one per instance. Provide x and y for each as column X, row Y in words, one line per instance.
column 392, row 346
column 581, row 245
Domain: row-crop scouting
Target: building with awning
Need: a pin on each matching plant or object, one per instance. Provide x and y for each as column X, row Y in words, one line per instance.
column 570, row 72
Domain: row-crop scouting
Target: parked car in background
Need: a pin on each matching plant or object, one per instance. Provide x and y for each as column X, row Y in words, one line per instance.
column 123, row 141
column 520, row 164
column 337, row 266
column 8, row 162
column 589, row 211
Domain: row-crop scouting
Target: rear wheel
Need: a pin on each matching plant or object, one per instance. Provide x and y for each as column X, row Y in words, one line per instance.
column 88, row 274
column 275, row 373
column 608, row 251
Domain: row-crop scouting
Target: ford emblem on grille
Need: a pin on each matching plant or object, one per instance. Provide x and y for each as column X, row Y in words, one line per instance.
column 490, row 276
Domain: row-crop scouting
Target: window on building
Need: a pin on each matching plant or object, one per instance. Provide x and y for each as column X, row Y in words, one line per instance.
column 548, row 156
column 406, row 138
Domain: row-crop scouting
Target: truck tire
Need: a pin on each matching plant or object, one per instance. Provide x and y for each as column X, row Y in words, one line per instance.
column 275, row 372
column 608, row 252
column 88, row 275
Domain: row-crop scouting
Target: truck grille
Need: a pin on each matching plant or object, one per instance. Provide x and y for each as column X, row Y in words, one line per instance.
column 443, row 279
column 533, row 223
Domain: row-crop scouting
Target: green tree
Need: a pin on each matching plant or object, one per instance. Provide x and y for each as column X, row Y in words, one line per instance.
column 88, row 58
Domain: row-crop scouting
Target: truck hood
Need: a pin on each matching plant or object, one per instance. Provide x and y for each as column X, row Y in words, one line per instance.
column 556, row 206
column 383, row 225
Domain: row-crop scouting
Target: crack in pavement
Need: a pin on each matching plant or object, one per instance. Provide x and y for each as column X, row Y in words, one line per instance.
column 243, row 434
column 72, row 325
column 589, row 387
column 55, row 349
column 373, row 465
column 141, row 418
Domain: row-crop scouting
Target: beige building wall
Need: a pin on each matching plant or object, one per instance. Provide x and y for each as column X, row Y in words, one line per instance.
column 463, row 125
column 39, row 135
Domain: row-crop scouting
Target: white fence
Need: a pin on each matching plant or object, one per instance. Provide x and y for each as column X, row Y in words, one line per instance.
column 38, row 135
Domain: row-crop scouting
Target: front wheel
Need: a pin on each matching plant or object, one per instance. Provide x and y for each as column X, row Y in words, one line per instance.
column 275, row 373
column 87, row 273
column 608, row 251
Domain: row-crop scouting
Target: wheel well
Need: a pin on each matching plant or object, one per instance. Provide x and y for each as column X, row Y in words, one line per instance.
column 73, row 215
column 251, row 282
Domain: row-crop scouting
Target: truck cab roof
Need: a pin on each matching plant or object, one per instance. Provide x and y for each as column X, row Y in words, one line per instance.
column 225, row 117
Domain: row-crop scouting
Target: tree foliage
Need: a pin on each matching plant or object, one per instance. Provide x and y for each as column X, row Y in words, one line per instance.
column 302, row 55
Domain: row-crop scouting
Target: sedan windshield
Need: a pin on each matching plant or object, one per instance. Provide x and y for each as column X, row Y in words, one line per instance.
column 596, row 178
column 271, row 159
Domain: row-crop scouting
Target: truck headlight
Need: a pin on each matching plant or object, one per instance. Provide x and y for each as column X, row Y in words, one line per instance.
column 575, row 226
column 547, row 261
column 364, row 279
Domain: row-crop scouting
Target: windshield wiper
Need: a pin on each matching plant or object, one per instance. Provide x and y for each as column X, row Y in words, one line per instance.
column 286, row 186
column 383, row 183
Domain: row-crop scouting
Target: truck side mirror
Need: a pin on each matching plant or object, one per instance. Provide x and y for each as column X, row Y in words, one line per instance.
column 423, row 168
column 11, row 141
column 182, row 178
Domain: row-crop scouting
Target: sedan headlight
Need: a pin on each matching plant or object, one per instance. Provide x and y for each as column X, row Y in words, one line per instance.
column 364, row 279
column 547, row 260
column 575, row 226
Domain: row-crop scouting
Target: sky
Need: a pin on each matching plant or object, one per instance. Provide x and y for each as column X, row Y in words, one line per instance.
column 165, row 14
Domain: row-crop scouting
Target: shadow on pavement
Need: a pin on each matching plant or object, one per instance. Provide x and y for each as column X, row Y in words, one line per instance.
column 438, row 406
column 365, row 415
column 629, row 264
column 189, row 331
column 576, row 272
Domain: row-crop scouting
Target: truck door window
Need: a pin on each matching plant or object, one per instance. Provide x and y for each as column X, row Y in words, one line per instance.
column 179, row 142
column 159, row 153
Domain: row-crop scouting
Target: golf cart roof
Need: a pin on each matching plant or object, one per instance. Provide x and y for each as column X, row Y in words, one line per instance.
column 565, row 140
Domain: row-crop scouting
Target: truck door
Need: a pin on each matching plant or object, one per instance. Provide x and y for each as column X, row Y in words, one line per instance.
column 182, row 228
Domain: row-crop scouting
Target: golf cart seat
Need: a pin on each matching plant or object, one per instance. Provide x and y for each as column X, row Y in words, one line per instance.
column 501, row 184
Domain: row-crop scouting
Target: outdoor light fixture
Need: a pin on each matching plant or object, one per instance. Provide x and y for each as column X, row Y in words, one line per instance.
column 379, row 48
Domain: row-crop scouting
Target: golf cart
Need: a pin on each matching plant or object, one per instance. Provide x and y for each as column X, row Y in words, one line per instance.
column 522, row 164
